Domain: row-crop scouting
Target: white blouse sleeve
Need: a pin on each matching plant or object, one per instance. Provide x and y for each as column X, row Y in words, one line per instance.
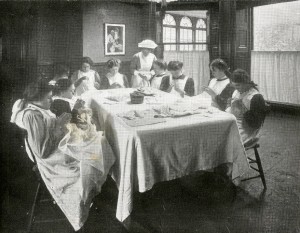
column 41, row 139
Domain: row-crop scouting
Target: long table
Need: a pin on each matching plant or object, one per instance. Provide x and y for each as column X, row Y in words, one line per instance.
column 164, row 151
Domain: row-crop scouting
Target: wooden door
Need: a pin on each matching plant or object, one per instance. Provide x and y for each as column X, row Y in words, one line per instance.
column 214, row 30
column 243, row 40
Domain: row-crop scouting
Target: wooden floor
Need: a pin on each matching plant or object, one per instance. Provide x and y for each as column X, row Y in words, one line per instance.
column 201, row 204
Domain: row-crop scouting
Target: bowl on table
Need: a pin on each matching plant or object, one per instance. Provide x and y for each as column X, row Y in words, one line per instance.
column 136, row 98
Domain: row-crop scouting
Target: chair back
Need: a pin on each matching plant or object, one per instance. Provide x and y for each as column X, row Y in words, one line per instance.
column 28, row 150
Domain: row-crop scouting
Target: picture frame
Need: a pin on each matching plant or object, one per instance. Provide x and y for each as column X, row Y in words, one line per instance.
column 114, row 42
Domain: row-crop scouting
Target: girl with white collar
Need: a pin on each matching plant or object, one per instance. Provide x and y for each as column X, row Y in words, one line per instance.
column 178, row 83
column 63, row 99
column 113, row 78
column 219, row 87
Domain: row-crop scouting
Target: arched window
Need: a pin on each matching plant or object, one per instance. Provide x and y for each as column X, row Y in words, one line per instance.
column 185, row 22
column 200, row 34
column 169, row 20
column 169, row 32
column 186, row 34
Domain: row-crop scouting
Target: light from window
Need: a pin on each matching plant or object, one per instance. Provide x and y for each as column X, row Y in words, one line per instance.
column 186, row 36
column 276, row 27
column 185, row 22
column 201, row 24
column 169, row 36
column 200, row 38
column 169, row 32
column 169, row 20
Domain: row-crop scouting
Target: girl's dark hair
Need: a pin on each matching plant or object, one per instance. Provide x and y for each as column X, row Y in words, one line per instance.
column 37, row 90
column 221, row 65
column 175, row 65
column 241, row 76
column 61, row 85
column 113, row 62
column 87, row 60
column 161, row 64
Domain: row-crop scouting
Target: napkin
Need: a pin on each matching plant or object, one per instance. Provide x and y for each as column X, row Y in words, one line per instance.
column 135, row 118
column 179, row 110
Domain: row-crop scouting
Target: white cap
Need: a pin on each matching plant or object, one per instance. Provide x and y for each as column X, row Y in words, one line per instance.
column 149, row 44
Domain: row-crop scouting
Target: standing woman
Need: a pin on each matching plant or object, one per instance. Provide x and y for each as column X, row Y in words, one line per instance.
column 219, row 87
column 113, row 78
column 141, row 64
column 247, row 105
column 179, row 83
column 85, row 79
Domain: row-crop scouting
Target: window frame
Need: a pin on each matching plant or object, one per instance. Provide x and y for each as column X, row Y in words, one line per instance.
column 170, row 26
column 177, row 27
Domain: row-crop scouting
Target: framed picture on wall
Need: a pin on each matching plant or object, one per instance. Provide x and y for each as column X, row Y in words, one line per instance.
column 114, row 39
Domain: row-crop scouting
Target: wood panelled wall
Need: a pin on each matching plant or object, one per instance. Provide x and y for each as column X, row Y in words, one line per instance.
column 37, row 37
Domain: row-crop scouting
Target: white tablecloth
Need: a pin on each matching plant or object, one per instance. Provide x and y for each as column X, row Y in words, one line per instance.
column 164, row 151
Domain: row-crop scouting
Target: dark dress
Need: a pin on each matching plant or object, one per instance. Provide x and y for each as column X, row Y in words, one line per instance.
column 104, row 84
column 255, row 117
column 222, row 99
column 189, row 87
column 60, row 106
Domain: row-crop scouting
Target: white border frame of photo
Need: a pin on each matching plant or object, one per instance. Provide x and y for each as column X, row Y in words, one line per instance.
column 114, row 43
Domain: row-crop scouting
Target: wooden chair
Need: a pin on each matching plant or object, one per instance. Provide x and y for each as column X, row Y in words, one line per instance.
column 41, row 189
column 253, row 145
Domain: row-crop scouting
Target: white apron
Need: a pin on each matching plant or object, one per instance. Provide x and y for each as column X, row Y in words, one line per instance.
column 156, row 81
column 240, row 104
column 117, row 79
column 146, row 65
column 218, row 86
column 74, row 173
column 179, row 84
column 86, row 85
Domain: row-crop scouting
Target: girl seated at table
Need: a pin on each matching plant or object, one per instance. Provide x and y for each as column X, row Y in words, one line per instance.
column 85, row 79
column 113, row 78
column 73, row 169
column 178, row 83
column 159, row 67
column 63, row 99
column 247, row 105
column 219, row 87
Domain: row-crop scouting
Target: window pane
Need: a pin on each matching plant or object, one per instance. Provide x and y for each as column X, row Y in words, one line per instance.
column 276, row 27
column 186, row 35
column 185, row 22
column 186, row 47
column 170, row 47
column 169, row 20
column 201, row 23
column 200, row 36
column 200, row 47
column 169, row 35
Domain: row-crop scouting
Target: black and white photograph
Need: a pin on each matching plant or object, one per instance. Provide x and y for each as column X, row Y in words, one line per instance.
column 150, row 116
column 114, row 39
